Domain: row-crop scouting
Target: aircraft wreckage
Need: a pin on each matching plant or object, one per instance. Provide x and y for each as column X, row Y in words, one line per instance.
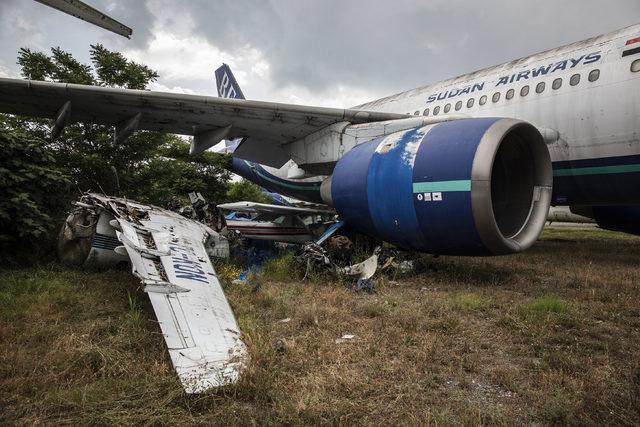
column 170, row 255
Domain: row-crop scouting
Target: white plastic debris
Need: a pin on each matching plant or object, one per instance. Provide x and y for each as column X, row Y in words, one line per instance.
column 345, row 338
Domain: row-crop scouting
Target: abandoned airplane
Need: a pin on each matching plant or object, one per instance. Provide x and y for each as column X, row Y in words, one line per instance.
column 467, row 166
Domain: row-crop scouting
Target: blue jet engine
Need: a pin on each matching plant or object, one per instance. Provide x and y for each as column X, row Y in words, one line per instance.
column 479, row 186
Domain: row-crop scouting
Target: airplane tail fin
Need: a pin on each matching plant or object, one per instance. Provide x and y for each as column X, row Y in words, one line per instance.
column 228, row 87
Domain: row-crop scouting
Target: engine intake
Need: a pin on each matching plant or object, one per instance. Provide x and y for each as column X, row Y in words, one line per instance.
column 466, row 187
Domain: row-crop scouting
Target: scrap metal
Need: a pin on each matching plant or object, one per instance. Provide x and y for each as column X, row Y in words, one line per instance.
column 170, row 255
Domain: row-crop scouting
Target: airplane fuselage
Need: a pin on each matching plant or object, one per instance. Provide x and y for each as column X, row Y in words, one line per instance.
column 583, row 97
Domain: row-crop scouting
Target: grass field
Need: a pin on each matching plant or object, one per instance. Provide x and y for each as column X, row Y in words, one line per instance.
column 549, row 336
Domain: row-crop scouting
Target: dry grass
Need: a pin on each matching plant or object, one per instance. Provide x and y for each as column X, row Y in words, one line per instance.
column 550, row 336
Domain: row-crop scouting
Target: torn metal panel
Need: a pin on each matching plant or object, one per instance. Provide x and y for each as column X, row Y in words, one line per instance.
column 168, row 253
column 365, row 269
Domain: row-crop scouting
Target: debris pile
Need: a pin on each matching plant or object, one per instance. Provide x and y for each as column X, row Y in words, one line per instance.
column 339, row 250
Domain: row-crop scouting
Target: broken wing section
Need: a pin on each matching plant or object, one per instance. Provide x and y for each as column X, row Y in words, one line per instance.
column 168, row 254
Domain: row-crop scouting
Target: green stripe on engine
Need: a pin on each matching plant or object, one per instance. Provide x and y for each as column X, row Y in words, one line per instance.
column 596, row 170
column 439, row 186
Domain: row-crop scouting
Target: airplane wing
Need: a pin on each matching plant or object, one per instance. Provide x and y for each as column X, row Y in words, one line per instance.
column 167, row 253
column 252, row 207
column 85, row 12
column 266, row 125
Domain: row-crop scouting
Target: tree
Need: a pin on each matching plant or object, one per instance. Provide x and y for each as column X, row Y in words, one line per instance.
column 33, row 190
column 150, row 166
column 246, row 191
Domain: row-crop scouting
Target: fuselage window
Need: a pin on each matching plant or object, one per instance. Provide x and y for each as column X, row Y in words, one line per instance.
column 574, row 80
column 594, row 75
column 417, row 113
column 458, row 105
column 483, row 99
column 635, row 66
column 524, row 91
column 556, row 84
column 436, row 110
column 470, row 103
column 496, row 97
column 447, row 108
column 540, row 87
column 425, row 112
column 510, row 93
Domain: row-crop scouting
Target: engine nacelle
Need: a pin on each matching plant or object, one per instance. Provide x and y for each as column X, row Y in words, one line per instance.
column 466, row 187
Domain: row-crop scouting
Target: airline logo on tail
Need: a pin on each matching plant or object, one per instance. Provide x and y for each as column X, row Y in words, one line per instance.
column 227, row 85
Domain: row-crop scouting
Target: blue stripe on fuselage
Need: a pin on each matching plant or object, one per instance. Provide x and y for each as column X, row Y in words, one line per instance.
column 605, row 180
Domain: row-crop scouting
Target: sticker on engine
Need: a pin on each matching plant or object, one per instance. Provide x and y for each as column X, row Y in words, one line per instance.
column 429, row 197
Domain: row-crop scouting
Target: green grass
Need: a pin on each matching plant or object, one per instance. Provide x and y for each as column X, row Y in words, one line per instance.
column 468, row 301
column 547, row 304
column 281, row 268
column 550, row 336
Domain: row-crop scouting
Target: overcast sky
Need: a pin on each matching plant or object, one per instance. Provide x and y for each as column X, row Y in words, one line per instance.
column 332, row 52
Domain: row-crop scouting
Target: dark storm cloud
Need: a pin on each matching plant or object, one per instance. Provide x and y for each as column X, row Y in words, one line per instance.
column 134, row 14
column 400, row 44
column 373, row 45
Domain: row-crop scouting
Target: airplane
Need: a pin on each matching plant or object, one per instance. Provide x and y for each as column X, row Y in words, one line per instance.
column 286, row 224
column 228, row 87
column 466, row 166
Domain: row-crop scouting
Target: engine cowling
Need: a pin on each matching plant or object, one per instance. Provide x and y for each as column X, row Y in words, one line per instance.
column 466, row 187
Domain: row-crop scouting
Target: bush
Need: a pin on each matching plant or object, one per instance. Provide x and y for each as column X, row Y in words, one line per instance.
column 33, row 190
